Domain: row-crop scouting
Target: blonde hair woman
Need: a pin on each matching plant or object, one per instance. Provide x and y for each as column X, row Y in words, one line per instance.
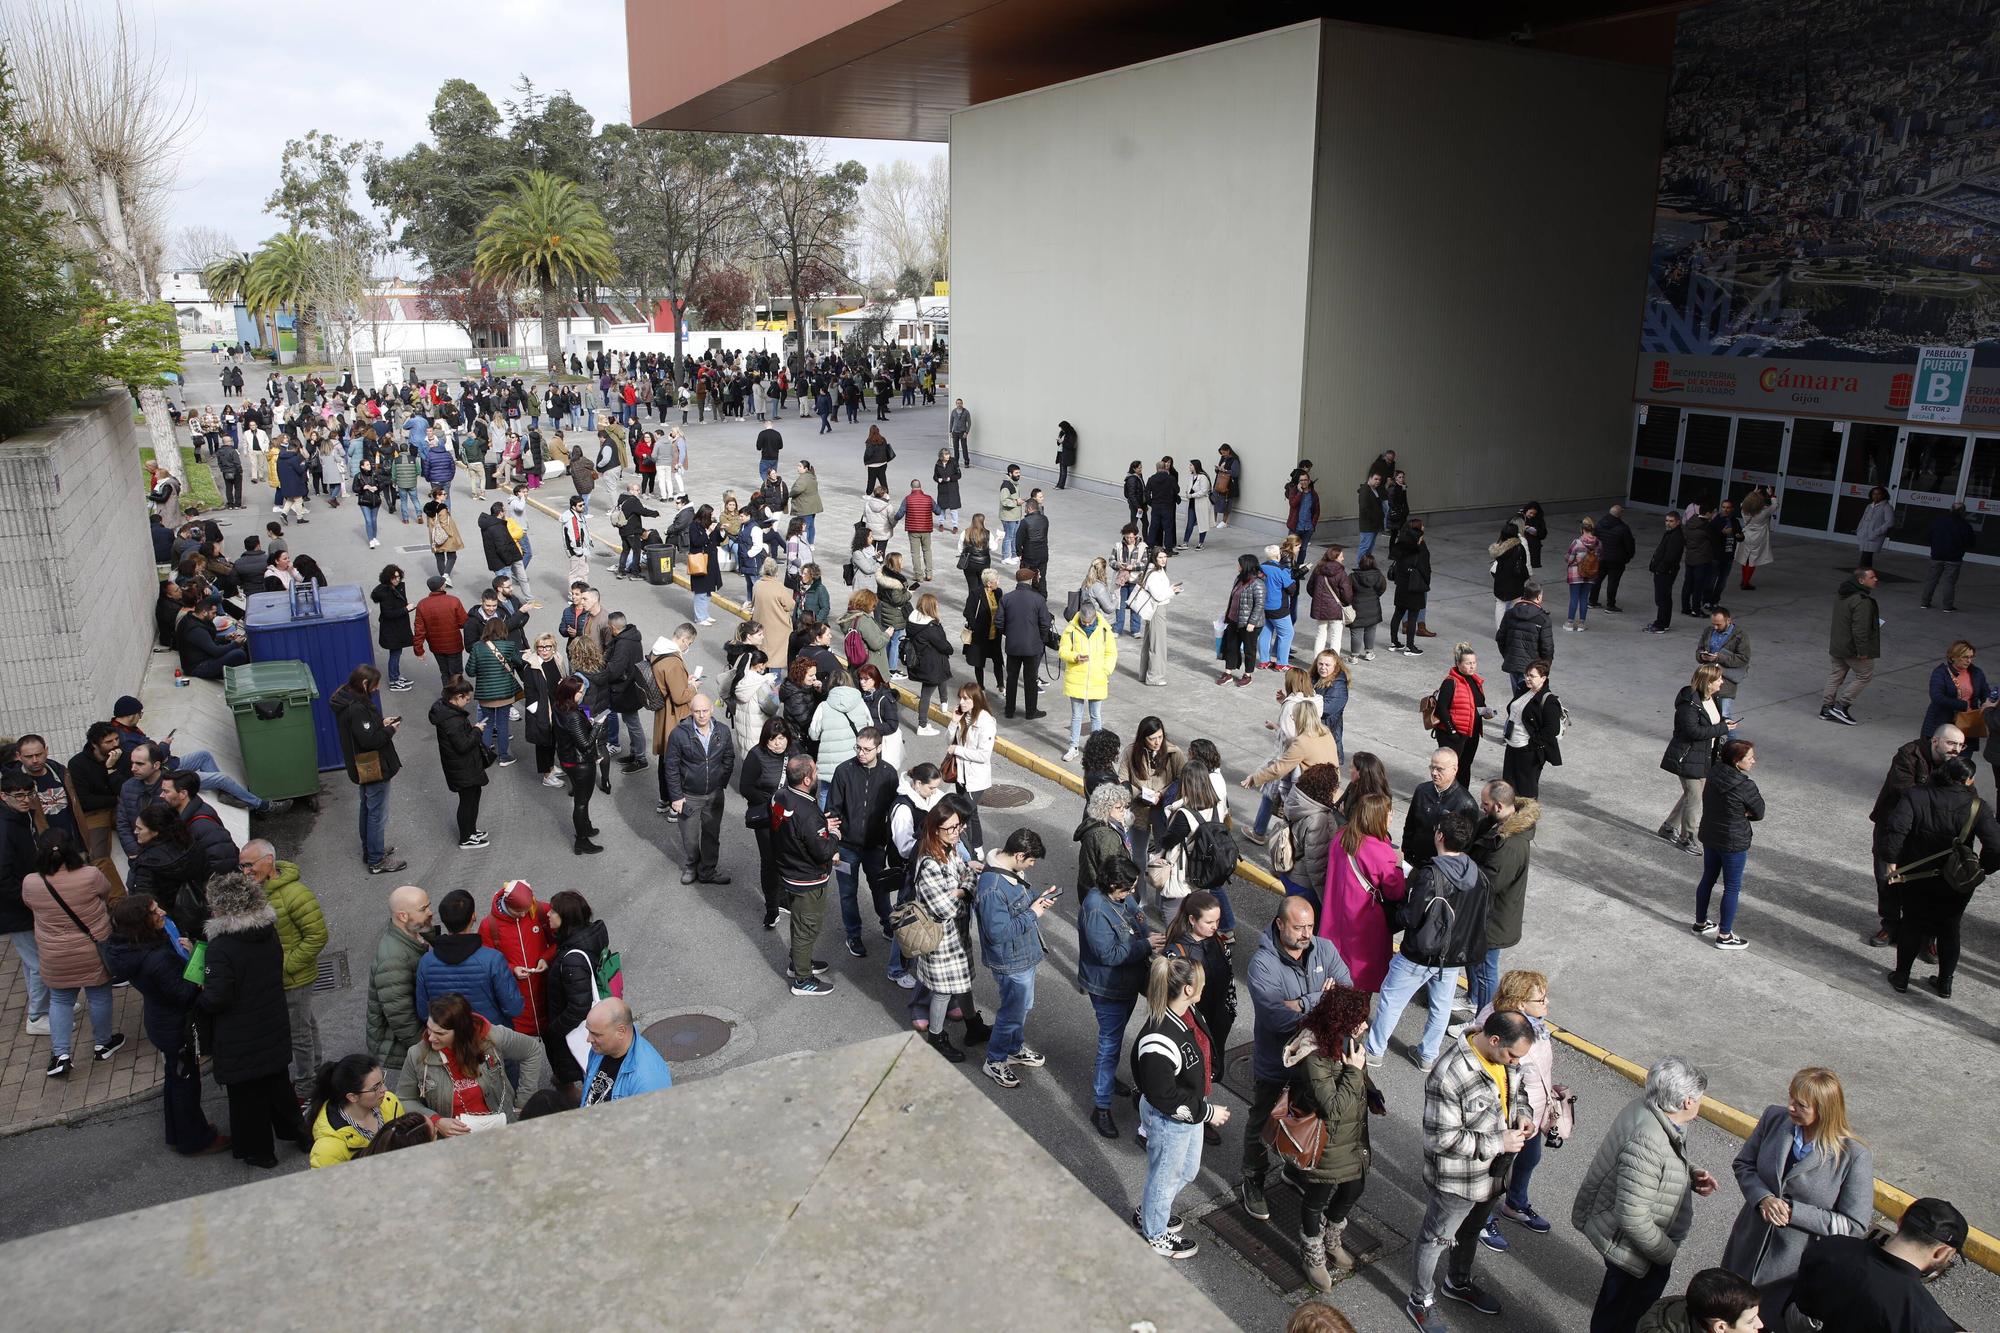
column 1804, row 1173
column 1172, row 1062
column 1699, row 728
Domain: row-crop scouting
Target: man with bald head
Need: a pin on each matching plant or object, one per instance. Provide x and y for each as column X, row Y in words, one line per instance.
column 1441, row 795
column 1913, row 765
column 622, row 1063
column 694, row 778
column 393, row 1024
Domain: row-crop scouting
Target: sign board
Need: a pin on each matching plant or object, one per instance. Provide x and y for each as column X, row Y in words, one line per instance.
column 1942, row 376
column 385, row 370
column 1844, row 391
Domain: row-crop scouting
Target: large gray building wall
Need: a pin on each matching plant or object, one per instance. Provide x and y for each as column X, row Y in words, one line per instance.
column 1481, row 228
column 77, row 580
column 1129, row 253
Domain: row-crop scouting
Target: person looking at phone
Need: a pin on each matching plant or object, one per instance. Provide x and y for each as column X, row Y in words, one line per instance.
column 1333, row 1083
column 1010, row 944
column 1636, row 1203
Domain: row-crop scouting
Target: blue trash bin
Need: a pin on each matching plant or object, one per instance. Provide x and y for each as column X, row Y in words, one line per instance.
column 331, row 643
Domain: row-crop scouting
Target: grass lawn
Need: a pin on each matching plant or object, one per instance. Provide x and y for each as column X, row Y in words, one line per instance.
column 200, row 479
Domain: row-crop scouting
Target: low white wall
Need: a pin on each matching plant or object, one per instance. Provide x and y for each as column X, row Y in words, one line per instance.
column 77, row 580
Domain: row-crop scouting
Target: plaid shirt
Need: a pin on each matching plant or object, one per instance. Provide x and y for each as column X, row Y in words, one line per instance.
column 1463, row 1125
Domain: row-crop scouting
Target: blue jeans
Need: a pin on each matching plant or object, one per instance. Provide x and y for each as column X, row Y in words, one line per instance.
column 1125, row 617
column 31, row 968
column 407, row 506
column 1484, row 983
column 638, row 736
column 1274, row 641
column 812, row 528
column 1077, row 709
column 1579, row 602
column 62, row 1016
column 1017, row 997
column 1405, row 979
column 765, row 467
column 1173, row 1160
column 370, row 514
column 374, row 822
column 1525, row 1162
column 1730, row 864
column 1008, row 527
column 895, row 652
column 395, row 664
column 1112, row 1016
column 847, row 871
column 1364, row 546
column 202, row 764
column 701, row 606
column 495, row 728
column 1188, row 536
column 1263, row 821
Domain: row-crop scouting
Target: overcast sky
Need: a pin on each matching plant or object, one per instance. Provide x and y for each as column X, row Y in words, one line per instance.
column 369, row 69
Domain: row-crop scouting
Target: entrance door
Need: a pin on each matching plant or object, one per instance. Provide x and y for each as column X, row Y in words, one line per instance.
column 1929, row 483
column 1812, row 464
column 1870, row 462
column 1704, row 460
column 1982, row 495
column 1655, row 442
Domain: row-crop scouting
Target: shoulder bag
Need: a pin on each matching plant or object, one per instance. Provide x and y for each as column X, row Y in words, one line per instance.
column 1298, row 1136
column 578, row 1037
column 1958, row 864
column 103, row 956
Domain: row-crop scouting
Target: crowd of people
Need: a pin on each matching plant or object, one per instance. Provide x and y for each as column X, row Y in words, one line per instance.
column 483, row 1019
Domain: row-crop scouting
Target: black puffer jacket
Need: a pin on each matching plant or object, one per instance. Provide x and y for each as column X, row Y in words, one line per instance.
column 1926, row 821
column 501, row 548
column 245, row 991
column 798, row 703
column 1692, row 749
column 1411, row 567
column 801, row 844
column 459, row 747
column 762, row 773
column 1730, row 804
column 174, row 876
column 1524, row 636
column 572, row 984
column 155, row 971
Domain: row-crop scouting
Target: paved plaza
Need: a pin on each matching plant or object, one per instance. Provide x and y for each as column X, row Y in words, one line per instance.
column 1607, row 912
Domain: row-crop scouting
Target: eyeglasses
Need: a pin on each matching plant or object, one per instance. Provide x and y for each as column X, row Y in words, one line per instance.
column 951, row 828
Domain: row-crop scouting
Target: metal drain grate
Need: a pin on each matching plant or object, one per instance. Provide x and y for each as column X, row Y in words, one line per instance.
column 1238, row 1074
column 333, row 974
column 1005, row 796
column 1272, row 1247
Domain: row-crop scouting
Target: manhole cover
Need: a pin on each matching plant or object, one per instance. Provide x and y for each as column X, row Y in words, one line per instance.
column 1005, row 796
column 688, row 1036
column 332, row 973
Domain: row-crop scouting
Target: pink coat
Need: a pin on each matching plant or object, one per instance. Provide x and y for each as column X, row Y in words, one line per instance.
column 69, row 960
column 1351, row 917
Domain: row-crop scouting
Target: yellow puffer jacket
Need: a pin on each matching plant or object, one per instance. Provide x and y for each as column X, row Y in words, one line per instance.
column 1091, row 679
column 333, row 1146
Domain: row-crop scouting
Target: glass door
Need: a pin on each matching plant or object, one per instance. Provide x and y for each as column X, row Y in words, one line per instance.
column 1928, row 484
column 1704, row 460
column 1655, row 442
column 1805, row 497
column 1759, row 454
column 1871, row 456
column 1982, row 495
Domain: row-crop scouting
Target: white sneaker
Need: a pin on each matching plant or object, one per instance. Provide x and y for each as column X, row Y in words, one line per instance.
column 37, row 1027
column 1072, row 754
column 514, row 713
column 927, row 730
column 554, row 780
column 374, row 542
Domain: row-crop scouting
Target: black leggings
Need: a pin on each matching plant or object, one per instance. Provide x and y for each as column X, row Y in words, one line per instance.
column 1328, row 1203
column 1239, row 648
column 1404, row 615
column 468, row 812
column 581, row 785
column 1930, row 911
column 767, row 874
column 975, row 836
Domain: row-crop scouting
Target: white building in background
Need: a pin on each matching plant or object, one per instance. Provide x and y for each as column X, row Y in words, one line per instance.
column 202, row 320
column 912, row 322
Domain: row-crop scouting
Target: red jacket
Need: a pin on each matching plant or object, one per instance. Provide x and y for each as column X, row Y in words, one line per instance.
column 523, row 941
column 439, row 620
column 918, row 509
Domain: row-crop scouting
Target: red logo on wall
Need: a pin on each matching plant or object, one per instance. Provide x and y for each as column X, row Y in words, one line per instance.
column 1663, row 380
column 1899, row 390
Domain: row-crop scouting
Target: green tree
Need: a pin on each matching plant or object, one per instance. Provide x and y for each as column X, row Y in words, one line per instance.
column 61, row 336
column 802, row 209
column 547, row 236
column 283, row 276
column 227, row 279
column 439, row 192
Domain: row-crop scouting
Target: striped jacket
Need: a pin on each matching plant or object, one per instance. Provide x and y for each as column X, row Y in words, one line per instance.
column 1463, row 1126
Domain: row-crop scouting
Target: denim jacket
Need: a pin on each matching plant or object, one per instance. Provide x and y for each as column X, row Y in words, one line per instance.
column 1113, row 954
column 1010, row 934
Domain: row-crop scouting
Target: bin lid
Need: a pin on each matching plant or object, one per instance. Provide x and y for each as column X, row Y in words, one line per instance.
column 273, row 610
column 291, row 681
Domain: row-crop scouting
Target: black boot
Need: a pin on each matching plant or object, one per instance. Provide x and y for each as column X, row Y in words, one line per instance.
column 977, row 1029
column 941, row 1043
column 585, row 847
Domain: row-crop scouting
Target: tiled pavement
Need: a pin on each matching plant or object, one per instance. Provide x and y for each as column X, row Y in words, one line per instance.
column 29, row 1099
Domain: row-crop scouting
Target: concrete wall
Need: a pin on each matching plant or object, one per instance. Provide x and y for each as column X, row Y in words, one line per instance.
column 76, row 573
column 1103, row 230
column 1482, row 221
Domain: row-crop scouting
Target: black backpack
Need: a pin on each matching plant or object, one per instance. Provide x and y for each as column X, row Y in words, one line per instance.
column 1957, row 865
column 1210, row 858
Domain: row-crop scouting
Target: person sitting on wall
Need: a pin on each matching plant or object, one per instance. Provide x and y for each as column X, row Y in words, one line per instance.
column 204, row 653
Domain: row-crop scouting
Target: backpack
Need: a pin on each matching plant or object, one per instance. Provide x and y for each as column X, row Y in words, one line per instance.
column 1587, row 563
column 1428, row 917
column 648, row 687
column 1210, row 856
column 1283, row 854
column 1427, row 709
column 1958, row 864
column 853, row 646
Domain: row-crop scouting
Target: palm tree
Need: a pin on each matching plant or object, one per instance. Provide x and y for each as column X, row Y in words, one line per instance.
column 227, row 279
column 545, row 235
column 281, row 277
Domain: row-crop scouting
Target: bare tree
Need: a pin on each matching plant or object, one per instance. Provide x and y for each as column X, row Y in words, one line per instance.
column 195, row 248
column 107, row 118
column 906, row 222
column 802, row 208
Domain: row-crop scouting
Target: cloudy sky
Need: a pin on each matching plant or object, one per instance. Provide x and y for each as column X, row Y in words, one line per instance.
column 369, row 69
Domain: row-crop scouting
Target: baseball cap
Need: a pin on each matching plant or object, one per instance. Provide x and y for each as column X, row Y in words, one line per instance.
column 1935, row 1221
column 520, row 897
column 126, row 706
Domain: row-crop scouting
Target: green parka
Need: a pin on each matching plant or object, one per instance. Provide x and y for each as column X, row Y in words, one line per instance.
column 392, row 1025
column 301, row 925
column 1339, row 1093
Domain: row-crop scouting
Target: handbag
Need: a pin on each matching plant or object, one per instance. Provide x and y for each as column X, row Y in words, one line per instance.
column 1347, row 615
column 368, row 766
column 697, row 563
column 948, row 770
column 578, row 1037
column 1295, row 1135
column 916, row 933
column 1972, row 722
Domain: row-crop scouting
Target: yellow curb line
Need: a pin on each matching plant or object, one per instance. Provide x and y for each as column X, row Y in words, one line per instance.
column 1980, row 1247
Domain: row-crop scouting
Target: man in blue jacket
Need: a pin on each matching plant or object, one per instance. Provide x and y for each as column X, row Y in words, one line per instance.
column 1290, row 969
column 458, row 962
column 1010, row 944
column 1274, row 641
column 1951, row 538
column 622, row 1063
